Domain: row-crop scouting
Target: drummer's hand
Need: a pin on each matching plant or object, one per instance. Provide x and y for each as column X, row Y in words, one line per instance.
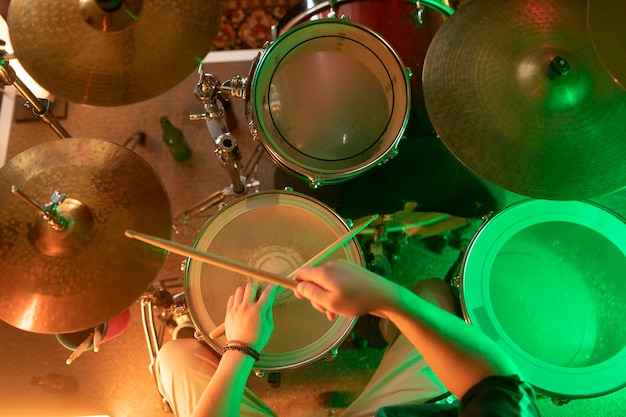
column 346, row 289
column 250, row 320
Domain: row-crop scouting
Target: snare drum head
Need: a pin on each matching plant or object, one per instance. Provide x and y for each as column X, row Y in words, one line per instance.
column 277, row 232
column 545, row 280
column 330, row 98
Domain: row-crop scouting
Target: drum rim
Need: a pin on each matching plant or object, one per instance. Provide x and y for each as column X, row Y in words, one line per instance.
column 270, row 361
column 302, row 10
column 606, row 375
column 397, row 122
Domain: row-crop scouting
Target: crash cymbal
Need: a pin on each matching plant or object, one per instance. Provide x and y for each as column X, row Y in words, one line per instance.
column 70, row 279
column 516, row 92
column 136, row 50
column 606, row 20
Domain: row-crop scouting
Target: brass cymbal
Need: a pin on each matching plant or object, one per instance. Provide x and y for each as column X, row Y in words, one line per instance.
column 516, row 92
column 61, row 281
column 606, row 20
column 137, row 50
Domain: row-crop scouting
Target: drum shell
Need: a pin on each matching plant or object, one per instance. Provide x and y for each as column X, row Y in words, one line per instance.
column 542, row 279
column 294, row 319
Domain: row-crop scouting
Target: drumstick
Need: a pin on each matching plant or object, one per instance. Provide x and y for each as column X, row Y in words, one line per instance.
column 213, row 259
column 97, row 338
column 327, row 251
column 80, row 349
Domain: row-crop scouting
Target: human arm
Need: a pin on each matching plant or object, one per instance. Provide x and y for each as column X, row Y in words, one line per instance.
column 249, row 321
column 459, row 354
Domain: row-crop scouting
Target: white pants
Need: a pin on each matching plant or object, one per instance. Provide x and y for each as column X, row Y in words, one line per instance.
column 185, row 366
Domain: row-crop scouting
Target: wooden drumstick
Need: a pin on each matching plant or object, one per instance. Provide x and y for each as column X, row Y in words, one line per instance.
column 213, row 259
column 327, row 251
column 97, row 338
column 80, row 349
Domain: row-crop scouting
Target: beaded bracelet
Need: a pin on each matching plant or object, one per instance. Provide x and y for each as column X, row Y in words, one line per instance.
column 242, row 347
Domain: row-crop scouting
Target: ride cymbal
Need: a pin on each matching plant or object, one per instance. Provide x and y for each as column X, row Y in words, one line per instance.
column 61, row 280
column 111, row 52
column 606, row 20
column 516, row 92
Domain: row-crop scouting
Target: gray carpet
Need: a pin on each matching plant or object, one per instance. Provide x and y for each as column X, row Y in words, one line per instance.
column 116, row 381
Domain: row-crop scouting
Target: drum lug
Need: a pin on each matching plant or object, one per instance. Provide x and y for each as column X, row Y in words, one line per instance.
column 183, row 265
column 456, row 281
column 254, row 131
column 198, row 336
column 560, row 401
column 485, row 218
column 332, row 354
column 259, row 373
column 315, row 182
column 419, row 13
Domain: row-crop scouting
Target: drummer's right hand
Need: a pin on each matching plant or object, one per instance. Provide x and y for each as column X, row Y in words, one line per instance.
column 249, row 319
column 346, row 289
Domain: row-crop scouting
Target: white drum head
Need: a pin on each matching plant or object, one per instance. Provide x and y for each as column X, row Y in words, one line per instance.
column 277, row 232
column 330, row 99
column 545, row 280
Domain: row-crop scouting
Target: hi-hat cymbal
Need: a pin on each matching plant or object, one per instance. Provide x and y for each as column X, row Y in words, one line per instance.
column 606, row 20
column 516, row 92
column 61, row 281
column 136, row 50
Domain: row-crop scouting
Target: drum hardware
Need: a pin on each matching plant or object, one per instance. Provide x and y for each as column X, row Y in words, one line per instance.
column 158, row 297
column 533, row 110
column 226, row 148
column 109, row 53
column 41, row 107
column 75, row 255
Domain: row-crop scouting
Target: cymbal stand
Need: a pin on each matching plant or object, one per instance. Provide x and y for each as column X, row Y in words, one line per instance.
column 226, row 148
column 41, row 107
column 159, row 297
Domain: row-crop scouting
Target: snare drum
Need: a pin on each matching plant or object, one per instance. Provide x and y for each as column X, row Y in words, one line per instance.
column 329, row 100
column 277, row 232
column 545, row 280
column 408, row 25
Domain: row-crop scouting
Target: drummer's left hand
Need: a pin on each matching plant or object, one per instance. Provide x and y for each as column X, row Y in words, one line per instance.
column 250, row 319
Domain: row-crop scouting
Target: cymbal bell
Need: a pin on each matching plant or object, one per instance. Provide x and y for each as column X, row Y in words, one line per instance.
column 70, row 278
column 111, row 52
column 516, row 92
column 606, row 21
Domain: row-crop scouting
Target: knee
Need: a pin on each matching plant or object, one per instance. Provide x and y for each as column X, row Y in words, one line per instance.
column 436, row 291
column 182, row 355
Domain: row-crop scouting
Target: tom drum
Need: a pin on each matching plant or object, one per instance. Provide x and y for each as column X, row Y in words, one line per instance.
column 278, row 232
column 545, row 280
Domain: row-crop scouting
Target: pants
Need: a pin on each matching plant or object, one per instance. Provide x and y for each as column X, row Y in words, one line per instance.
column 184, row 367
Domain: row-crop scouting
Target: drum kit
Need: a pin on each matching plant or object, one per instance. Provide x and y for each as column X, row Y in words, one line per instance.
column 526, row 94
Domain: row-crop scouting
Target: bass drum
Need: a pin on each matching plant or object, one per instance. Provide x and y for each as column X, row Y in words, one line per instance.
column 408, row 25
column 277, row 232
column 545, row 280
column 329, row 100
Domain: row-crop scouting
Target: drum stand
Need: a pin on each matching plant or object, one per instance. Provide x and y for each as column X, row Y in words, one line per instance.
column 226, row 148
column 158, row 297
column 42, row 108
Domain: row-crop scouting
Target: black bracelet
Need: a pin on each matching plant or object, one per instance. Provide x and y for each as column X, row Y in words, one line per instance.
column 248, row 350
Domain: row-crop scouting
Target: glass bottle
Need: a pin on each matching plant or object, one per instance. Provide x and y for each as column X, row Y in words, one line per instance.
column 175, row 140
